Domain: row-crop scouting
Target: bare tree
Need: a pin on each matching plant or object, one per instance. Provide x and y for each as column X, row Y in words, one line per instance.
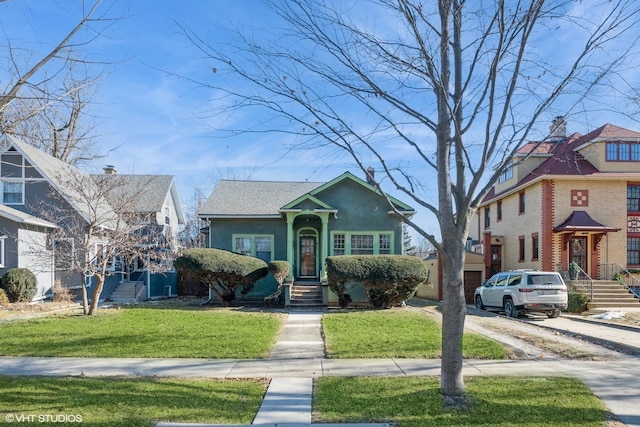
column 100, row 229
column 44, row 101
column 436, row 95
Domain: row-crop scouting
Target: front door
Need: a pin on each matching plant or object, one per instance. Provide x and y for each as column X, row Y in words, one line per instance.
column 307, row 256
column 578, row 251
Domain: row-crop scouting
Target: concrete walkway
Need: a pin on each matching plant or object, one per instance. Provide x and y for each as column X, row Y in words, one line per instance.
column 298, row 357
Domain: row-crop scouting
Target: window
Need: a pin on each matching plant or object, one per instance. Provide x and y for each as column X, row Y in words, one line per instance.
column 487, row 217
column 101, row 253
column 506, row 175
column 259, row 246
column 167, row 216
column 338, row 244
column 64, row 252
column 535, row 247
column 521, row 203
column 499, row 215
column 633, row 198
column 633, row 251
column 12, row 193
column 521, row 248
column 622, row 152
column 385, row 244
column 362, row 243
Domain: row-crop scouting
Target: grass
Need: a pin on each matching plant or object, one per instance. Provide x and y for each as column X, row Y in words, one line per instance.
column 145, row 332
column 494, row 401
column 130, row 402
column 393, row 333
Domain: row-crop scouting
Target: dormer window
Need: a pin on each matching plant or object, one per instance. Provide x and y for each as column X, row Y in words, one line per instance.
column 506, row 175
column 619, row 151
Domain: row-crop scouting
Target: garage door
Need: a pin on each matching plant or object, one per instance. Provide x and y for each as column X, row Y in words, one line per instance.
column 472, row 279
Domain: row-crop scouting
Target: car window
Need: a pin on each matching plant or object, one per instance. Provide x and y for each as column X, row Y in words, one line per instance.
column 515, row 280
column 544, row 279
column 502, row 280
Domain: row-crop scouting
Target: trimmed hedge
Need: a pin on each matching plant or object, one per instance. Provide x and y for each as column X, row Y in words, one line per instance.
column 20, row 284
column 223, row 271
column 279, row 270
column 577, row 302
column 387, row 279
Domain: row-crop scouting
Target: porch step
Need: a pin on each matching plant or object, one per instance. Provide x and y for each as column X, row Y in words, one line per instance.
column 126, row 292
column 306, row 295
column 609, row 293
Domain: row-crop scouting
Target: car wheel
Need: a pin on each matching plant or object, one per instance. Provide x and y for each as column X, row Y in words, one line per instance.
column 553, row 314
column 510, row 309
column 479, row 304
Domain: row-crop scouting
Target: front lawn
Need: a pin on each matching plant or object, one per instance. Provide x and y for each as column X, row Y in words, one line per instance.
column 127, row 402
column 396, row 333
column 145, row 332
column 493, row 401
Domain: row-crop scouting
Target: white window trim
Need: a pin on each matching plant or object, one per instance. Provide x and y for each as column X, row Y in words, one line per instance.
column 376, row 240
column 111, row 265
column 2, row 251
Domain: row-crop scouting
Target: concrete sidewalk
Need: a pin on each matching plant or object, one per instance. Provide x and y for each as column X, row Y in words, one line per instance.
column 298, row 358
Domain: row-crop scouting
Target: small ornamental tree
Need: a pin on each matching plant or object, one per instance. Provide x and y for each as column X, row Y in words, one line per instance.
column 20, row 284
column 387, row 279
column 222, row 271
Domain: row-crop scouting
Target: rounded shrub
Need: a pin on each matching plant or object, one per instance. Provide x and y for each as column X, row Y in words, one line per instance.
column 577, row 302
column 20, row 284
column 388, row 279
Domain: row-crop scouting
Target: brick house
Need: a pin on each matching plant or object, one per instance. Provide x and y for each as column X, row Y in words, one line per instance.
column 569, row 198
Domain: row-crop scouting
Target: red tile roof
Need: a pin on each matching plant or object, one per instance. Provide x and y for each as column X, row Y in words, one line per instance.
column 563, row 158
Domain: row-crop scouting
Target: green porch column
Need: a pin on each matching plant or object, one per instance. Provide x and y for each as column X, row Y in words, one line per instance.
column 324, row 216
column 290, row 237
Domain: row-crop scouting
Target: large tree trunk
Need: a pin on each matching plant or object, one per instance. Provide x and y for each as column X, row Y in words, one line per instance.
column 453, row 315
column 96, row 293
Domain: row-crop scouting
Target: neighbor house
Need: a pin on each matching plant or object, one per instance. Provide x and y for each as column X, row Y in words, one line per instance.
column 568, row 199
column 38, row 200
column 303, row 223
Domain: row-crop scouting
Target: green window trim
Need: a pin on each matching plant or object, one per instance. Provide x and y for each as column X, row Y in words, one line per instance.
column 361, row 242
column 256, row 245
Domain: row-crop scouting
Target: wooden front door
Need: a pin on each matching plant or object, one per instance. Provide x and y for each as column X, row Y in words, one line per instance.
column 578, row 251
column 307, row 256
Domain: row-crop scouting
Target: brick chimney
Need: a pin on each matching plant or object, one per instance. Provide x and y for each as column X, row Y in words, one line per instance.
column 110, row 170
column 558, row 130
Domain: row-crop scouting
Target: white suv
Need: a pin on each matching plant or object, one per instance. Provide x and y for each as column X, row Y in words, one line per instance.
column 520, row 291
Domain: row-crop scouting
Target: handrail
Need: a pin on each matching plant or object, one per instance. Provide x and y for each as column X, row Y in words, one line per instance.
column 581, row 278
column 578, row 277
column 617, row 272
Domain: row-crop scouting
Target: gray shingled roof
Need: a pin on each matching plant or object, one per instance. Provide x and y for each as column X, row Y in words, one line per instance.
column 149, row 191
column 253, row 198
column 72, row 183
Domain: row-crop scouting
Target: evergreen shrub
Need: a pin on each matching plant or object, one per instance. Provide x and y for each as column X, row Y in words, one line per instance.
column 388, row 279
column 20, row 284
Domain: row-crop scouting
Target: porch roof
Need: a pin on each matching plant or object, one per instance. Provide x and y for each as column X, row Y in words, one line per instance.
column 581, row 221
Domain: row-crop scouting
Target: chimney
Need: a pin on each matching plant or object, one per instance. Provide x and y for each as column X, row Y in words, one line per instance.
column 558, row 129
column 371, row 175
column 110, row 170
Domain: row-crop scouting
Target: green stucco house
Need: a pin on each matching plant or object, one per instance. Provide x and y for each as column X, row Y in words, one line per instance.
column 303, row 223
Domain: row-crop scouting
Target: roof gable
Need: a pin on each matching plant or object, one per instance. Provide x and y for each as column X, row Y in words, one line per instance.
column 349, row 176
column 74, row 185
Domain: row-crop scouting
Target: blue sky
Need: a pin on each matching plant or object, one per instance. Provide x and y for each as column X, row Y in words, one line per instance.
column 157, row 122
column 155, row 119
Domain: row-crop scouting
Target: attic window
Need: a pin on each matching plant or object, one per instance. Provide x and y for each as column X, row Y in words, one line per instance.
column 506, row 175
column 619, row 151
